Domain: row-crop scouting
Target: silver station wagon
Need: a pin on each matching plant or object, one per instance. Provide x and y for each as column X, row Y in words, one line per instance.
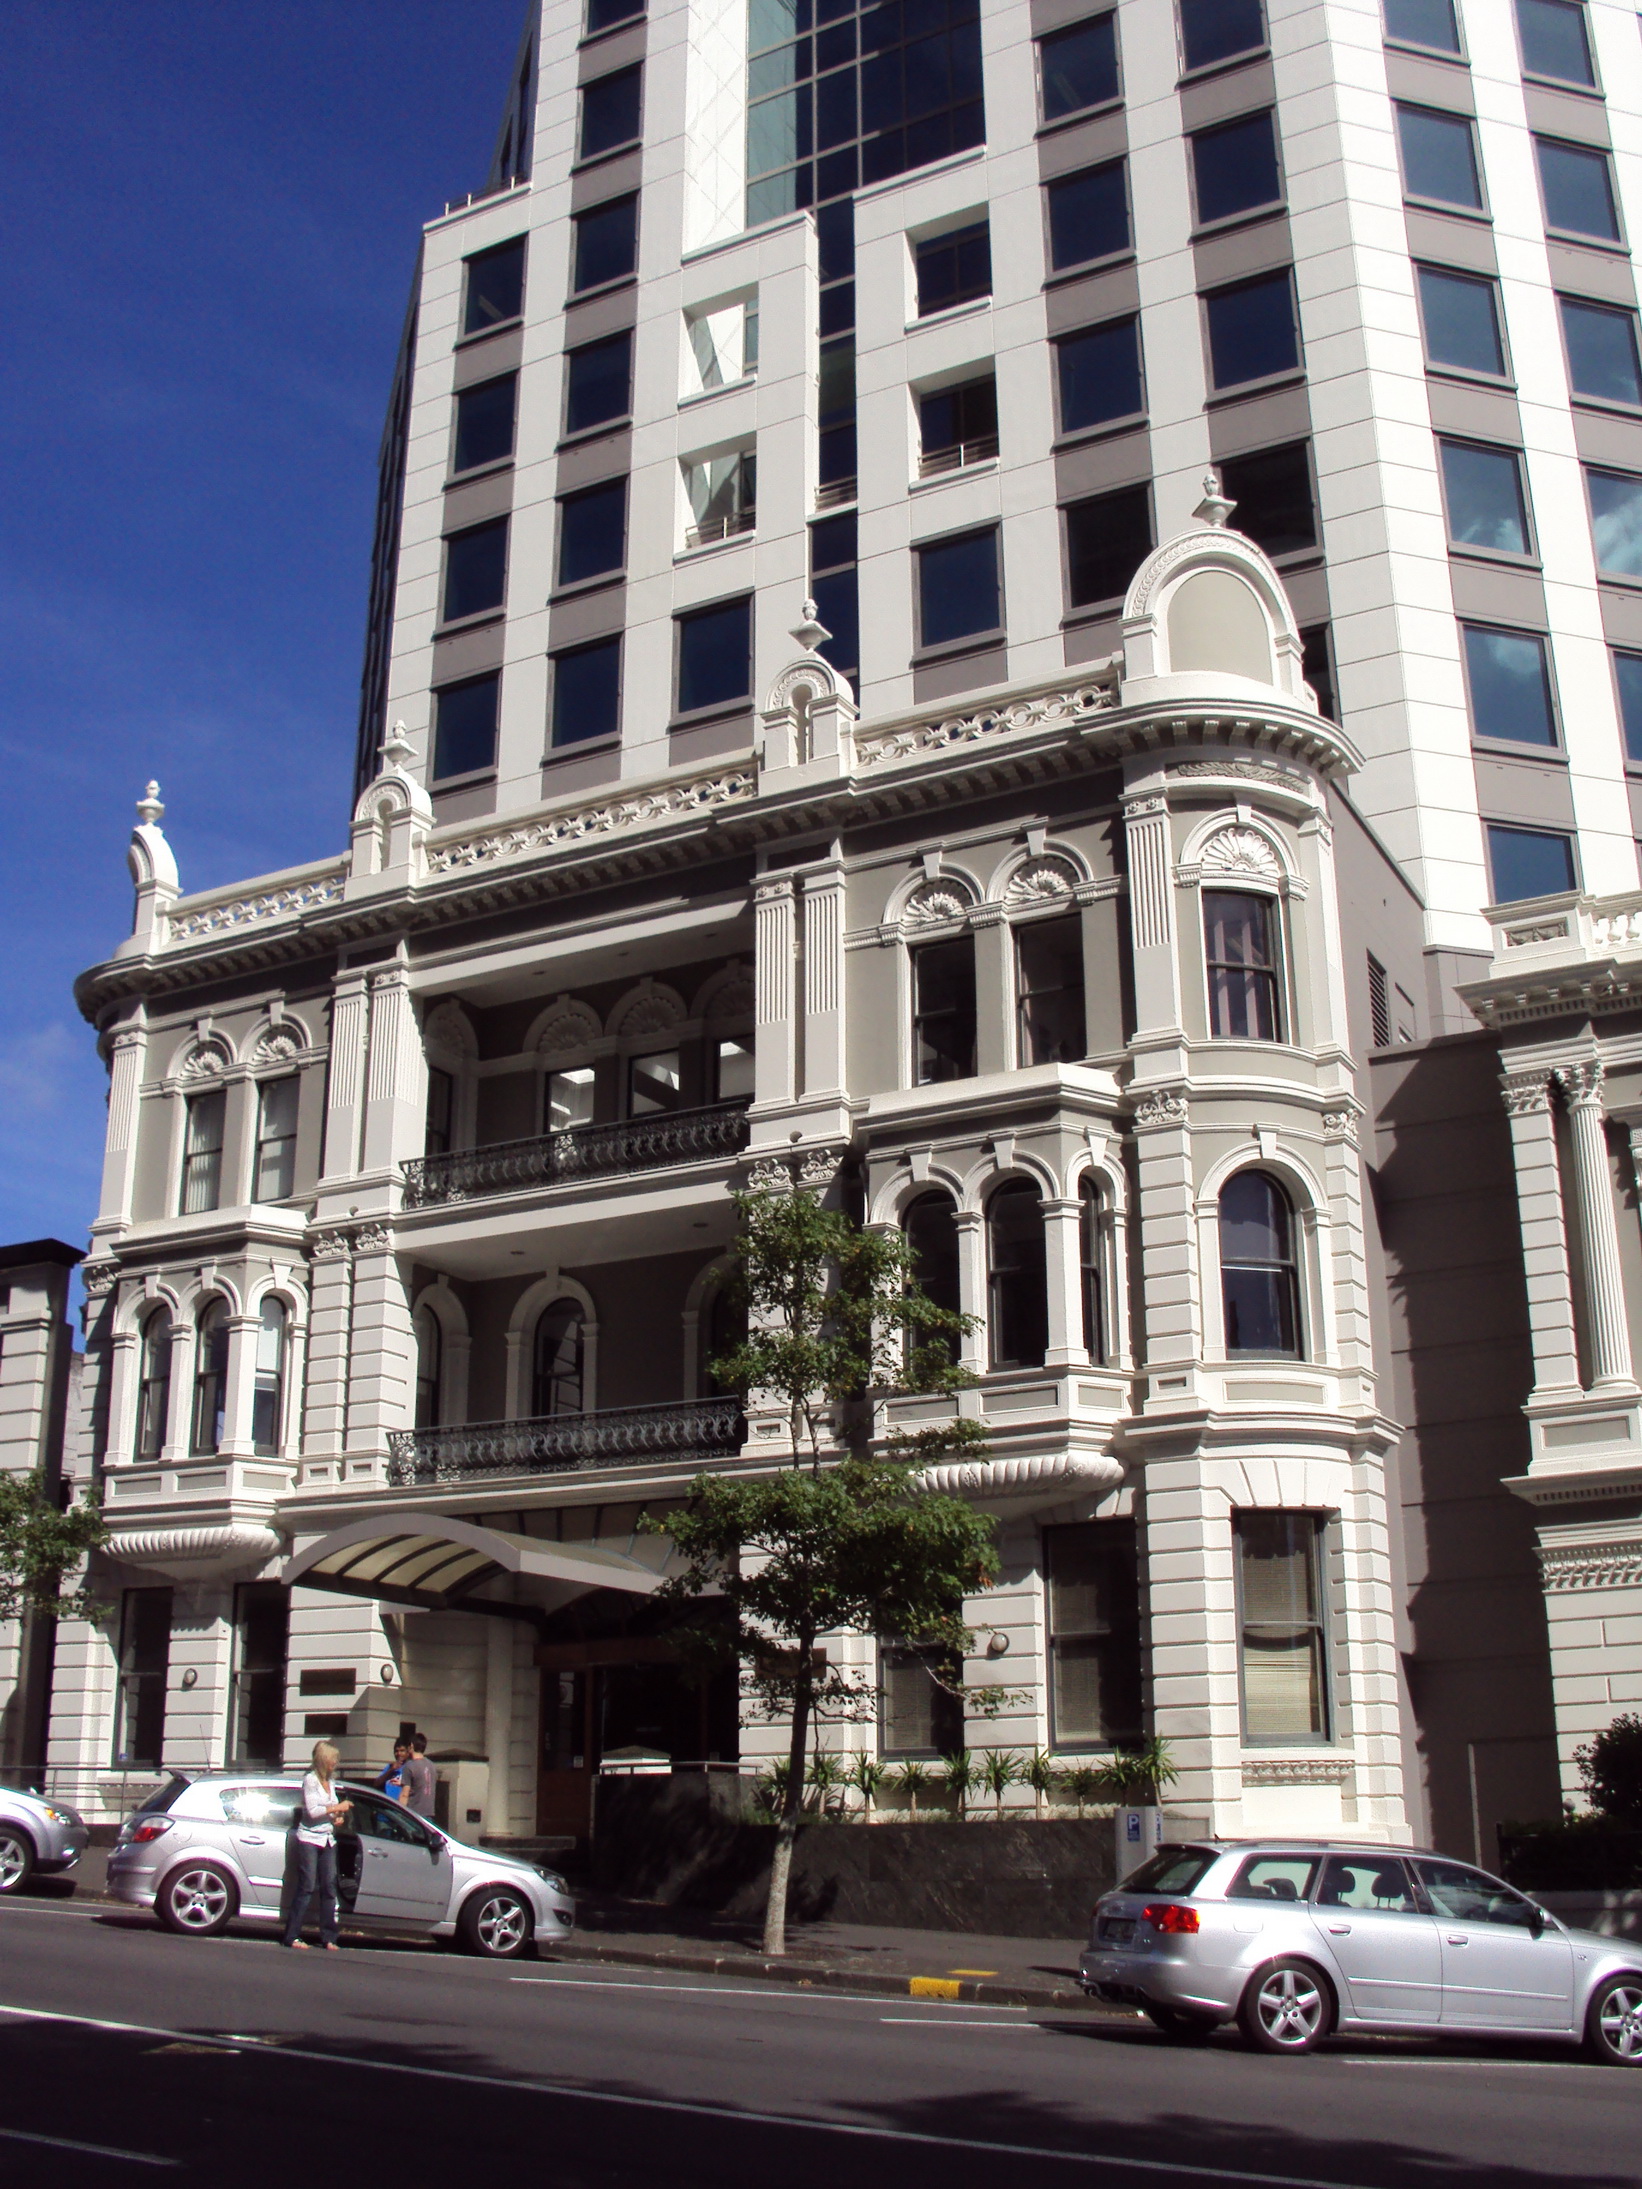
column 1295, row 1940
column 204, row 1851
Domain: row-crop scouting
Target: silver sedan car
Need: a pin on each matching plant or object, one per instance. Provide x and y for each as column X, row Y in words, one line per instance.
column 1295, row 1940
column 203, row 1851
column 37, row 1837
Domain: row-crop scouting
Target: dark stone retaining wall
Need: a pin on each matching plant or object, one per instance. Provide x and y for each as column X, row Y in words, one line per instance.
column 684, row 1841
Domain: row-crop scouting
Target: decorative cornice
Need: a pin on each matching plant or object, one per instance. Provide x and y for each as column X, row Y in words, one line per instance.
column 1565, row 1567
column 1297, row 1770
column 232, row 913
column 582, row 824
column 1525, row 1094
column 1046, row 1478
column 1067, row 705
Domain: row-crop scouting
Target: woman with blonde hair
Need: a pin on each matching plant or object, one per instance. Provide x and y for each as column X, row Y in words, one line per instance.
column 317, row 1819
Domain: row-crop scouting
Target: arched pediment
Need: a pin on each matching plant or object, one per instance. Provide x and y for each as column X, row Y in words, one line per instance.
column 448, row 1031
column 1208, row 606
column 650, row 1008
column 563, row 1027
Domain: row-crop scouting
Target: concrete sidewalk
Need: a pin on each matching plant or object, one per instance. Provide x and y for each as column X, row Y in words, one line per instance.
column 858, row 1957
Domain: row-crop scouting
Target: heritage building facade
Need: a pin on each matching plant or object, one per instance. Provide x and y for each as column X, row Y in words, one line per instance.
column 786, row 751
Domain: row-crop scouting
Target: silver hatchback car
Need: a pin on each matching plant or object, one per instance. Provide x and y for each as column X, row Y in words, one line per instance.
column 37, row 1837
column 203, row 1851
column 1297, row 1939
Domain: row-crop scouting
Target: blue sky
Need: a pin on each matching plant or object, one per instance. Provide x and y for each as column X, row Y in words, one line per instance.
column 213, row 209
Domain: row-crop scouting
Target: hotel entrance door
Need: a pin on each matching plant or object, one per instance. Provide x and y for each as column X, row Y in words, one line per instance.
column 625, row 1695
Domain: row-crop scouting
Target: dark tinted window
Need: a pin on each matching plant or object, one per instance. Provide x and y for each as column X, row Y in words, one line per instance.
column 1463, row 1895
column 1602, row 359
column 1088, row 214
column 1093, row 1592
column 495, row 287
column 1259, row 1281
column 1108, row 537
column 598, row 383
column 1370, row 1883
column 610, row 111
column 1017, row 1280
column 1234, row 167
column 931, row 1228
column 1616, row 521
column 834, row 591
column 960, row 417
column 1627, row 669
column 607, row 242
column 1510, row 685
column 1528, row 862
column 592, row 531
column 715, row 655
column 953, row 268
column 1079, row 67
column 958, row 588
column 1172, row 1870
column 476, row 570
column 484, row 422
column 1554, row 41
column 1439, row 156
column 1240, row 951
column 587, row 692
column 464, row 735
column 1274, row 1877
column 1423, row 23
column 602, row 14
column 1483, row 490
column 1214, row 30
column 943, row 1010
column 1577, row 189
column 163, row 1797
column 1317, row 667
column 1099, row 374
column 1461, row 317
column 1049, row 989
column 1272, row 490
column 1252, row 330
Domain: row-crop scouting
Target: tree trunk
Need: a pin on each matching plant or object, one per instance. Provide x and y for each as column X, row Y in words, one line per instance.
column 792, row 1803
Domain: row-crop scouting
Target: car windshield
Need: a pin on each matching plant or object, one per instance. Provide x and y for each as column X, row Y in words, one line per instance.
column 1171, row 1870
column 162, row 1796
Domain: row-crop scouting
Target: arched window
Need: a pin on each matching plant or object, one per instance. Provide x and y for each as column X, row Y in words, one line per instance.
column 1240, row 944
column 1259, row 1280
column 1091, row 1280
column 722, row 1327
column 430, row 1368
column 930, row 1224
column 154, row 1385
column 268, row 1399
column 557, row 1376
column 1017, row 1284
column 210, row 1376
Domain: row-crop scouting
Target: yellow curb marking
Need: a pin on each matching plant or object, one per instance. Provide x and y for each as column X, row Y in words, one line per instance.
column 933, row 1987
column 972, row 1972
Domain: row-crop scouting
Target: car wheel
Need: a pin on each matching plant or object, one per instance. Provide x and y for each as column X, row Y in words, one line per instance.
column 1613, row 2027
column 197, row 1898
column 1181, row 2028
column 16, row 1859
column 495, row 1923
column 1286, row 2008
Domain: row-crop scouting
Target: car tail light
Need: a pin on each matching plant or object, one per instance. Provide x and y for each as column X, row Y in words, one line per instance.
column 1167, row 1915
column 154, row 1827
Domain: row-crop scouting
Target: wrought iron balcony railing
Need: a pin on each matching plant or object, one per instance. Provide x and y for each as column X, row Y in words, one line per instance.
column 615, row 1436
column 584, row 1151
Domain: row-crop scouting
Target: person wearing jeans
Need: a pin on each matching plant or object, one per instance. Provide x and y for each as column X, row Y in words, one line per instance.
column 316, row 1851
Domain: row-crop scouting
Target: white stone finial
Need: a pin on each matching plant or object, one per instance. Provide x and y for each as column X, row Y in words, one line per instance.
column 396, row 748
column 1214, row 508
column 149, row 809
column 810, row 631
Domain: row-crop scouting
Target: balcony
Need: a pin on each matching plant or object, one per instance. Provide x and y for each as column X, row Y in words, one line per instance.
column 836, row 494
column 584, row 1151
column 726, row 526
column 958, row 456
column 687, row 1430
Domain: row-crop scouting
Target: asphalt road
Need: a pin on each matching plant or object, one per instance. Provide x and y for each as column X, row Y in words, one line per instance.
column 128, row 2056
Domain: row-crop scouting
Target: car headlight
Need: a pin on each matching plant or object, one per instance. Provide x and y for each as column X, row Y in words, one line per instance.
column 55, row 1816
column 552, row 1877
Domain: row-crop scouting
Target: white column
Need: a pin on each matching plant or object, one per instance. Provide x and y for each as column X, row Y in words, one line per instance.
column 974, row 1351
column 330, row 1319
column 1544, row 1235
column 179, row 1428
column 344, row 1092
column 1063, row 1267
column 1172, row 1313
column 129, row 1048
column 382, row 1370
column 499, row 1726
column 1151, row 916
column 824, row 983
column 1598, row 1226
column 238, row 1399
column 775, row 1062
column 396, row 1095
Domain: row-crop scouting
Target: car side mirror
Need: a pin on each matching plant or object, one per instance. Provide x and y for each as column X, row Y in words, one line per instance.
column 1537, row 1920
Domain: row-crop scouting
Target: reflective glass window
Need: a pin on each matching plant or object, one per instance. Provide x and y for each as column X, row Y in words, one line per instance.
column 715, row 655
column 1240, row 950
column 1234, row 166
column 1092, row 1585
column 1555, row 41
column 464, row 737
column 943, row 1010
column 495, row 287
column 202, row 1152
column 1088, row 214
column 954, row 268
column 1017, row 1276
column 274, row 1170
column 1218, row 30
column 1078, row 67
column 1273, row 492
column 557, row 1361
column 587, row 692
column 1253, row 331
column 1528, row 862
column 1099, row 375
column 1616, row 521
column 598, row 382
column 610, row 111
column 475, row 570
column 607, row 243
column 593, row 532
column 1483, row 490
column 1285, row 1672
column 1509, row 683
column 210, row 1377
column 1602, row 357
column 1049, row 990
column 1439, row 155
column 1423, row 23
column 958, row 588
column 484, row 423
column 1460, row 314
column 1577, row 187
column 1108, row 537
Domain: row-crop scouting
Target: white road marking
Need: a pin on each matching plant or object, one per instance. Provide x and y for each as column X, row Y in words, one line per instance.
column 1516, row 2067
column 934, row 2021
column 734, row 2115
column 97, row 2150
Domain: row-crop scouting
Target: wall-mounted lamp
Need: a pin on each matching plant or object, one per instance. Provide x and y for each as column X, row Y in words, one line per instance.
column 386, row 1675
column 997, row 1645
column 191, row 1677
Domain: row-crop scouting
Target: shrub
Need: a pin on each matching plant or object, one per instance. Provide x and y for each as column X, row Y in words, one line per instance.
column 1611, row 1769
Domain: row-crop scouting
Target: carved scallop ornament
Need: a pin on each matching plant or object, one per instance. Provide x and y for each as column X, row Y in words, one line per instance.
column 566, row 1025
column 651, row 1008
column 1044, row 880
column 933, row 903
column 1240, row 854
column 207, row 1059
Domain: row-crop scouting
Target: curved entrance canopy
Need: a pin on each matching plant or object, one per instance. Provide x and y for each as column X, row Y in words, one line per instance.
column 439, row 1564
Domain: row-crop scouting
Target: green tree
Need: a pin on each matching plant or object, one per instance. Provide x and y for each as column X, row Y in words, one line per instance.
column 844, row 1537
column 39, row 1544
column 1610, row 1765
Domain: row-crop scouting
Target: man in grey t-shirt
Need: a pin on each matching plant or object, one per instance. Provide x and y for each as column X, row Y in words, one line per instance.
column 420, row 1778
